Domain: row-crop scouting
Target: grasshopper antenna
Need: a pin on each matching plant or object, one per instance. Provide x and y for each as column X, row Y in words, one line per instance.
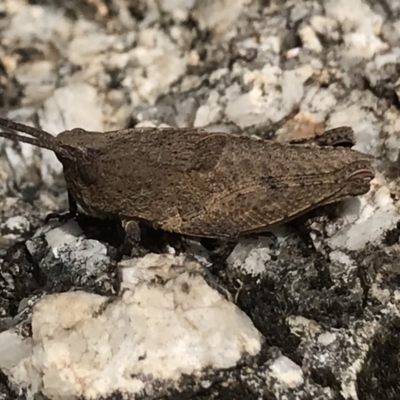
column 15, row 126
column 40, row 138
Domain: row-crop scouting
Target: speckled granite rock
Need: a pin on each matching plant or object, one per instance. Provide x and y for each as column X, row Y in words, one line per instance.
column 316, row 304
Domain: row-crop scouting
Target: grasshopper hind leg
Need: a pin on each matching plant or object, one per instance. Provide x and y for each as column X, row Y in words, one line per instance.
column 337, row 137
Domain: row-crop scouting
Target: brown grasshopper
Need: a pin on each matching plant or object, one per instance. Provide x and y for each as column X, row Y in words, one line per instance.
column 199, row 183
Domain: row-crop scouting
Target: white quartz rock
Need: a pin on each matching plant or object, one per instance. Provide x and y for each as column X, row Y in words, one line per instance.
column 167, row 321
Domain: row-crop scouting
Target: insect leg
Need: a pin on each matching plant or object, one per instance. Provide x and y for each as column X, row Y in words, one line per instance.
column 132, row 229
column 65, row 216
column 218, row 249
column 337, row 137
column 140, row 237
column 131, row 238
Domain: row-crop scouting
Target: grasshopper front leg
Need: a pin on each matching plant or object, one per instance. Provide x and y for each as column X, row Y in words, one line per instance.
column 65, row 216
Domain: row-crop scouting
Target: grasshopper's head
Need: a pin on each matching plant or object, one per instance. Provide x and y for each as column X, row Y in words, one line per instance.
column 79, row 149
column 80, row 140
column 76, row 150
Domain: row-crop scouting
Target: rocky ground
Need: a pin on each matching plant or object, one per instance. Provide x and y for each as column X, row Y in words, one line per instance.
column 310, row 310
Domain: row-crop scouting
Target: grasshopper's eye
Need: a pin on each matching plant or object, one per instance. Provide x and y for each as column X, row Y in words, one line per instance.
column 78, row 131
column 79, row 163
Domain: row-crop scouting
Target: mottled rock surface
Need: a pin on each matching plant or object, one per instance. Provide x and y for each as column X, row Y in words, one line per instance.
column 309, row 310
column 168, row 323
